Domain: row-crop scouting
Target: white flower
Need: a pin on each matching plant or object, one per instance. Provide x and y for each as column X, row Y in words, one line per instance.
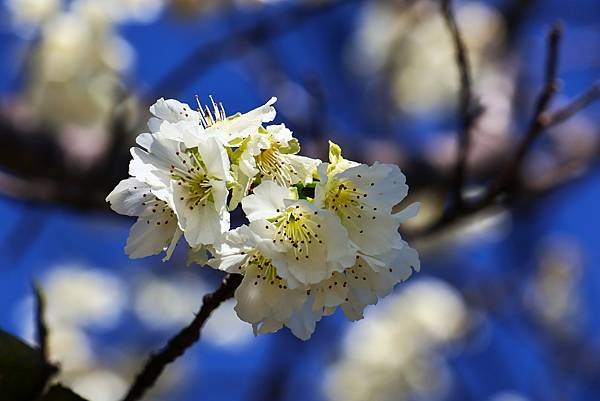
column 156, row 228
column 300, row 258
column 315, row 243
column 187, row 125
column 32, row 13
column 362, row 197
column 263, row 297
column 192, row 180
column 270, row 154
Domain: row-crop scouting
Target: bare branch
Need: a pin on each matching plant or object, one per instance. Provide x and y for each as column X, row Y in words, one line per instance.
column 178, row 344
column 509, row 176
column 469, row 107
column 42, row 338
column 550, row 119
column 40, row 323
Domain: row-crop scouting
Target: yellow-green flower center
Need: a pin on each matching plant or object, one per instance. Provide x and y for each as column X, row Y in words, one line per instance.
column 294, row 226
column 271, row 163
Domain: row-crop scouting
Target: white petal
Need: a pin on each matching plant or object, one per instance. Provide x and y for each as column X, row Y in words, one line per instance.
column 331, row 292
column 169, row 251
column 384, row 184
column 303, row 323
column 190, row 133
column 242, row 125
column 215, row 158
column 219, row 193
column 146, row 237
column 267, row 326
column 280, row 133
column 264, row 203
column 128, row 197
column 200, row 224
column 304, row 167
column 408, row 213
column 142, row 166
column 258, row 298
column 173, row 111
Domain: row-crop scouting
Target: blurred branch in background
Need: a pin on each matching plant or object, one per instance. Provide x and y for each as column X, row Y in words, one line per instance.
column 536, row 126
column 504, row 184
column 470, row 108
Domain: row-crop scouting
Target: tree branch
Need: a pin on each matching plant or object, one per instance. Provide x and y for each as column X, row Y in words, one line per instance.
column 469, row 107
column 509, row 176
column 49, row 369
column 178, row 344
column 573, row 107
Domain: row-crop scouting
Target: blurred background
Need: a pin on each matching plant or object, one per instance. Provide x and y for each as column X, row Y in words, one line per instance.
column 505, row 307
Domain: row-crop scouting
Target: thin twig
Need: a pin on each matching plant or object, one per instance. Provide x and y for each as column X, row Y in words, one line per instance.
column 178, row 344
column 550, row 119
column 49, row 369
column 40, row 323
column 469, row 107
column 536, row 126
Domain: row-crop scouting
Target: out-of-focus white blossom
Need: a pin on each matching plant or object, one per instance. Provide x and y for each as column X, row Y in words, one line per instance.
column 76, row 63
column 397, row 352
column 100, row 297
column 411, row 44
column 28, row 14
column 100, row 385
column 167, row 303
column 552, row 294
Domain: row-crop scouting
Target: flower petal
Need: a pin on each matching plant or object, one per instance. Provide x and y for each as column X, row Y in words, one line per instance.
column 266, row 201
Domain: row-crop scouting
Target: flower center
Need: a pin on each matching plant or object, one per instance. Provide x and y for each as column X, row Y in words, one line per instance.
column 344, row 195
column 295, row 227
column 272, row 164
column 348, row 202
column 194, row 178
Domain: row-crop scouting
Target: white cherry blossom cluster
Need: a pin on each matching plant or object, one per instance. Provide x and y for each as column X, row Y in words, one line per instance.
column 319, row 235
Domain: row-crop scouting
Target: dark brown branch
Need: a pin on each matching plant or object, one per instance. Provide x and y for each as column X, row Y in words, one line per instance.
column 508, row 178
column 49, row 369
column 40, row 323
column 469, row 107
column 183, row 340
column 550, row 119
